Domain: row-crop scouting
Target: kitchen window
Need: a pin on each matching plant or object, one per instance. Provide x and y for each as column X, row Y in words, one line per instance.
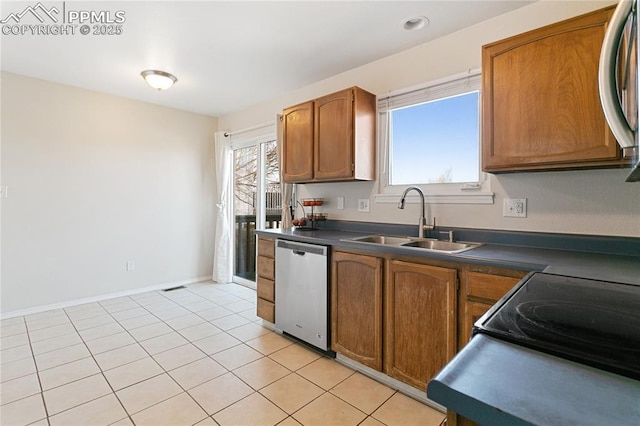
column 430, row 137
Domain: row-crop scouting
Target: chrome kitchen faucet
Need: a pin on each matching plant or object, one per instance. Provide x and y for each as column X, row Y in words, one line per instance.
column 422, row 224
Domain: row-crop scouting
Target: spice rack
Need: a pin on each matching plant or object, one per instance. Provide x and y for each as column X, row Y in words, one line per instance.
column 312, row 219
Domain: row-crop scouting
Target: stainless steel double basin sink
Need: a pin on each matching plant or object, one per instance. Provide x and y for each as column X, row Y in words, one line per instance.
column 423, row 243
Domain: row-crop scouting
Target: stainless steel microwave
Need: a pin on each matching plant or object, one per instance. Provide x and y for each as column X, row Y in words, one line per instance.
column 618, row 79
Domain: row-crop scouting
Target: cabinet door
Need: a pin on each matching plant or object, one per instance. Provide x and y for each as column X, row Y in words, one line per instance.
column 541, row 106
column 454, row 419
column 420, row 321
column 481, row 292
column 297, row 131
column 356, row 308
column 473, row 310
column 333, row 131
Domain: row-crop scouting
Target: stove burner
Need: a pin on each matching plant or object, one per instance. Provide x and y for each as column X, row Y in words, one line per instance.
column 560, row 321
column 592, row 322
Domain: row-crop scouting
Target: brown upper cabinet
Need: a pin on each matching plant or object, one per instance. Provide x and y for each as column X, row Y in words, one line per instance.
column 541, row 107
column 332, row 138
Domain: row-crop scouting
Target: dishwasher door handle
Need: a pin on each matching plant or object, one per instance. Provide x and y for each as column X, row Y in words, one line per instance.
column 298, row 252
column 300, row 248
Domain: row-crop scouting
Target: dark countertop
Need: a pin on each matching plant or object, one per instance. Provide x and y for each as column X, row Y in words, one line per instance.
column 606, row 267
column 486, row 382
column 498, row 383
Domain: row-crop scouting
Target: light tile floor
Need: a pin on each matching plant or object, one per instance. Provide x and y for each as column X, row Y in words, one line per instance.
column 190, row 356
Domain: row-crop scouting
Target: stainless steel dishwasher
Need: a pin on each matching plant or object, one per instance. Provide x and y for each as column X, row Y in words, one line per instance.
column 301, row 292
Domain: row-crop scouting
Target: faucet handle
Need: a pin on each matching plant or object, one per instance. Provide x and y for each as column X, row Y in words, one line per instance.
column 429, row 227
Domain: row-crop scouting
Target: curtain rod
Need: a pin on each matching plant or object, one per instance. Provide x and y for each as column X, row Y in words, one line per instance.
column 248, row 129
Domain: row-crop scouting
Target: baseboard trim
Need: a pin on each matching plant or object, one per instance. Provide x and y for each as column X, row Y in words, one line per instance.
column 391, row 382
column 75, row 302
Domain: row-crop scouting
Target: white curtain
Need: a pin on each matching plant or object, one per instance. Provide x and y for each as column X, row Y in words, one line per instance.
column 285, row 188
column 222, row 257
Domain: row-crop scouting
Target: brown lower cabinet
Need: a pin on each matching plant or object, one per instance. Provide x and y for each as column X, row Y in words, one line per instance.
column 417, row 334
column 406, row 316
column 356, row 307
column 420, row 321
column 265, row 279
column 480, row 290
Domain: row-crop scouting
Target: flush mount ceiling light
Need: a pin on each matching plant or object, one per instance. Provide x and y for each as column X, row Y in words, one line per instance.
column 415, row 23
column 159, row 80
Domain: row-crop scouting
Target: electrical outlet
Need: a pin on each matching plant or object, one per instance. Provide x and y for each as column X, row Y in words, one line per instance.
column 340, row 203
column 363, row 205
column 515, row 207
column 131, row 265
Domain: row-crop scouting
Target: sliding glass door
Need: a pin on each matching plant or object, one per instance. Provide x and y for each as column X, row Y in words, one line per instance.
column 257, row 202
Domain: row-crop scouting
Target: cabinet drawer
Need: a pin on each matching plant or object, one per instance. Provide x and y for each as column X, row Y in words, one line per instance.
column 266, row 247
column 488, row 286
column 266, row 267
column 266, row 310
column 266, row 289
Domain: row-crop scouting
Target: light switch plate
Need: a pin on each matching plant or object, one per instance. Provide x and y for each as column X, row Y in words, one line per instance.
column 363, row 205
column 340, row 203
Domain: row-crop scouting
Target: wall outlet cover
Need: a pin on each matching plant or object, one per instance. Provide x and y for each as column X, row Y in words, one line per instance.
column 340, row 203
column 514, row 207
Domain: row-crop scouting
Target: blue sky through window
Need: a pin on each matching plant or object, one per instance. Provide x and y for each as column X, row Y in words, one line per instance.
column 436, row 141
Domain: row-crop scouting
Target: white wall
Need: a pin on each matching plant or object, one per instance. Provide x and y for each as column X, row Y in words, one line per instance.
column 580, row 202
column 94, row 181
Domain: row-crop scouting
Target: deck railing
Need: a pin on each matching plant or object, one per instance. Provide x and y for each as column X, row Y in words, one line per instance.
column 245, row 247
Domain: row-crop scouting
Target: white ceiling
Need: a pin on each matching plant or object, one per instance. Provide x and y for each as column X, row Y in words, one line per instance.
column 229, row 55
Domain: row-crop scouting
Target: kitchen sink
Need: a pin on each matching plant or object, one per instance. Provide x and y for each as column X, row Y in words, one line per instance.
column 381, row 239
column 425, row 244
column 443, row 246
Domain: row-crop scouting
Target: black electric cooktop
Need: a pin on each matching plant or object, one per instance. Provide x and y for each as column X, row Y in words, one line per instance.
column 592, row 322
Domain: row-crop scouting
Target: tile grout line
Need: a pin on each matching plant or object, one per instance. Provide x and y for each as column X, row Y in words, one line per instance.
column 101, row 373
column 189, row 311
column 130, row 415
column 44, row 405
column 92, row 355
column 226, row 369
column 167, row 372
column 164, row 371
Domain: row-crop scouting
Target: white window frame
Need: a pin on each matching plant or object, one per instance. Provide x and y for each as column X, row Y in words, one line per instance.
column 254, row 136
column 435, row 193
